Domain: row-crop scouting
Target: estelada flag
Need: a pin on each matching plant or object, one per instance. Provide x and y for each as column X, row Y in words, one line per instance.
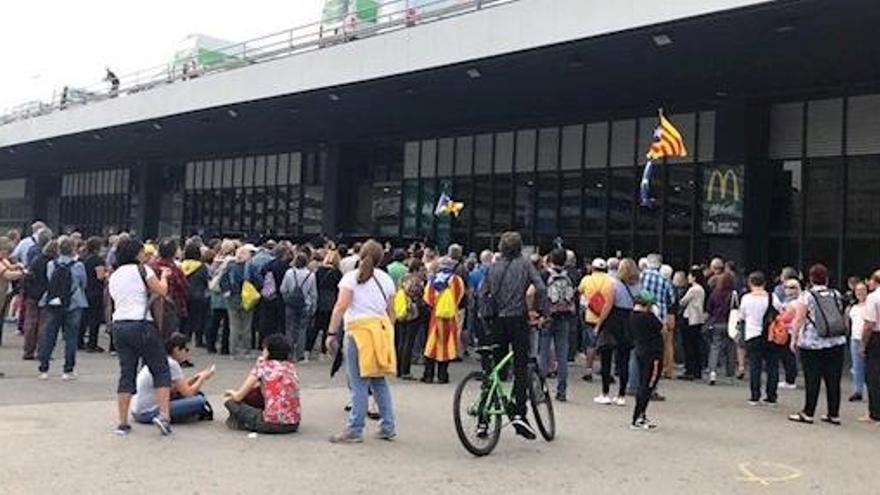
column 667, row 140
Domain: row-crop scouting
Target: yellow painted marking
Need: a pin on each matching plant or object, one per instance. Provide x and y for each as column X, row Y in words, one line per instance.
column 776, row 473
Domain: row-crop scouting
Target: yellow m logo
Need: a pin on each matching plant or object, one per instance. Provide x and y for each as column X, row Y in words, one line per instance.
column 719, row 181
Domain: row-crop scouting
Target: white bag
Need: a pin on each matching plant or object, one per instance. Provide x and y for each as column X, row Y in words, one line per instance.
column 734, row 316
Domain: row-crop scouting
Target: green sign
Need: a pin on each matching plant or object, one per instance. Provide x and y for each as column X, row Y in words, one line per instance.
column 723, row 198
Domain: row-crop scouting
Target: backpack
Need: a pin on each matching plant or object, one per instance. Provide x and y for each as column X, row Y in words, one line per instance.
column 35, row 282
column 60, row 287
column 446, row 309
column 163, row 309
column 270, row 289
column 560, row 293
column 297, row 298
column 772, row 325
column 831, row 321
column 596, row 303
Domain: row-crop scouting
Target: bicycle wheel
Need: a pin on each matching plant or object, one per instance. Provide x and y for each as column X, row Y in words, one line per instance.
column 542, row 405
column 478, row 431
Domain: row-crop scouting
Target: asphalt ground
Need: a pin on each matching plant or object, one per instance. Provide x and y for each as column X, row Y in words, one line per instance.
column 57, row 435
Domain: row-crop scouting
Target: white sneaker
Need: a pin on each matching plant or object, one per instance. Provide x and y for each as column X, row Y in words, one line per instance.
column 44, row 376
column 712, row 378
column 68, row 376
column 620, row 401
column 787, row 386
column 603, row 399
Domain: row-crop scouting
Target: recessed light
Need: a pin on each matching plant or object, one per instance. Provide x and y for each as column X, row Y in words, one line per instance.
column 11, row 151
column 157, row 126
column 721, row 94
column 333, row 97
column 232, row 113
column 49, row 144
column 96, row 136
column 662, row 40
column 786, row 28
column 474, row 73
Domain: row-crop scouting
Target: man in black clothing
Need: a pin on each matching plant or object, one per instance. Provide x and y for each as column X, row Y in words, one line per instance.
column 96, row 272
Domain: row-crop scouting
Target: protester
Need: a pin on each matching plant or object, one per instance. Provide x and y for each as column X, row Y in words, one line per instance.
column 300, row 295
column 135, row 334
column 721, row 300
column 597, row 297
column 231, row 283
column 197, row 303
column 443, row 295
column 268, row 400
column 788, row 357
column 9, row 272
column 30, row 247
column 63, row 301
column 821, row 355
column 413, row 319
column 187, row 402
column 273, row 318
column 96, row 276
column 174, row 309
column 561, row 296
column 327, row 278
column 33, row 287
column 365, row 305
column 856, row 314
column 219, row 325
column 757, row 313
column 615, row 337
column 693, row 301
column 396, row 269
column 871, row 348
column 664, row 297
column 647, row 335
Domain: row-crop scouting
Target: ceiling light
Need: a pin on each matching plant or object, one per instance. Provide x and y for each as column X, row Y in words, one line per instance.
column 157, row 126
column 96, row 136
column 721, row 94
column 662, row 40
column 785, row 28
column 232, row 113
column 49, row 144
column 474, row 73
column 333, row 97
column 11, row 151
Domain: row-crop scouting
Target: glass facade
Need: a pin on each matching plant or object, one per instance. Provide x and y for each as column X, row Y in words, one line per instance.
column 96, row 202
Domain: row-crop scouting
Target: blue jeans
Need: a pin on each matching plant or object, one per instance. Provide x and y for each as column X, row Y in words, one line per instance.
column 68, row 323
column 180, row 409
column 557, row 334
column 360, row 388
column 858, row 366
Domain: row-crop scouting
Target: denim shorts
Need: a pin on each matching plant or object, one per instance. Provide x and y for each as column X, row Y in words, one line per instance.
column 136, row 341
column 589, row 335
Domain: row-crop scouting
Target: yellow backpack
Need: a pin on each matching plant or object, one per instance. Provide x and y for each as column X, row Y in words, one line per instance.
column 446, row 308
column 401, row 305
column 250, row 296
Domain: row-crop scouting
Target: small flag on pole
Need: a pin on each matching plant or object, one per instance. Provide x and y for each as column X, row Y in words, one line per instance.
column 446, row 206
column 668, row 141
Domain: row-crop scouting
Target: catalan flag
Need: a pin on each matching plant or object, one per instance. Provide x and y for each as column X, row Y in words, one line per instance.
column 667, row 141
column 446, row 206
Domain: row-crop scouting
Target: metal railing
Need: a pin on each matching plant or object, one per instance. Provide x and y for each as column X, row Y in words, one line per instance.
column 390, row 16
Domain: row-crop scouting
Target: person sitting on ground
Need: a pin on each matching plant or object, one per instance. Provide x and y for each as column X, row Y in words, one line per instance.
column 274, row 379
column 187, row 401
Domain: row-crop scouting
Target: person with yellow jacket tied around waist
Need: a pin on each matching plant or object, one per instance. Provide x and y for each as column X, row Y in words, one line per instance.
column 365, row 307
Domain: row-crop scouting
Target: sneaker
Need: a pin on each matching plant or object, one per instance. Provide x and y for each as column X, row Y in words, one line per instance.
column 44, row 376
column 620, row 402
column 643, row 425
column 855, row 398
column 603, row 400
column 787, row 386
column 387, row 436
column 346, row 437
column 768, row 402
column 122, row 429
column 712, row 378
column 561, row 398
column 655, row 397
column 588, row 377
column 163, row 425
column 68, row 376
column 523, row 428
column 753, row 402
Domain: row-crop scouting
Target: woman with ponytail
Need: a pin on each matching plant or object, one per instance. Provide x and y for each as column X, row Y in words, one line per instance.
column 365, row 307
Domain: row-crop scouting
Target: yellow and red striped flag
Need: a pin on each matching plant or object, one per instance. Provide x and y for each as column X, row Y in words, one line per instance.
column 667, row 140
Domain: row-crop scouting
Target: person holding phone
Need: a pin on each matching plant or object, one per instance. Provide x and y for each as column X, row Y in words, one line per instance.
column 187, row 402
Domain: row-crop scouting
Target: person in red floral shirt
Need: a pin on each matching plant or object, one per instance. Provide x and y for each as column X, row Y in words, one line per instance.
column 268, row 399
column 177, row 284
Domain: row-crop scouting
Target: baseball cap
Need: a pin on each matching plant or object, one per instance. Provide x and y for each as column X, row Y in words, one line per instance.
column 250, row 247
column 599, row 264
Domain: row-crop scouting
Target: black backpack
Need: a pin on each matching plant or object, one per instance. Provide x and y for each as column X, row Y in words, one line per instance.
column 60, row 288
column 35, row 282
column 831, row 321
column 297, row 298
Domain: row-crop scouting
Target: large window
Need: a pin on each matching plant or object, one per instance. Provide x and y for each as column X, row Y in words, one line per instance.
column 863, row 215
column 96, row 202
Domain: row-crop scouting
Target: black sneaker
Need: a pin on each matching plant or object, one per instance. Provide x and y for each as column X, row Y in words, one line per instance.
column 122, row 429
column 163, row 425
column 561, row 398
column 523, row 428
column 588, row 377
column 855, row 398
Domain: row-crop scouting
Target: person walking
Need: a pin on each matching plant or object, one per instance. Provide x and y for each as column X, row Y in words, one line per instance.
column 721, row 300
column 365, row 306
column 64, row 301
column 757, row 312
column 820, row 336
column 693, row 303
column 648, row 337
column 134, row 333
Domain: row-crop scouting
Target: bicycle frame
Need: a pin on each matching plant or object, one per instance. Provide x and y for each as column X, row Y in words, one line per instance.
column 495, row 389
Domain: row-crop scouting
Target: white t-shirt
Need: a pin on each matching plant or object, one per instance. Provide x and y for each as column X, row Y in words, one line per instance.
column 872, row 310
column 367, row 298
column 752, row 309
column 856, row 316
column 349, row 263
column 144, row 400
column 129, row 293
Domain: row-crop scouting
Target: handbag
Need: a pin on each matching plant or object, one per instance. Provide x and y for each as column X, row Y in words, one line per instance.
column 250, row 296
column 488, row 307
column 733, row 318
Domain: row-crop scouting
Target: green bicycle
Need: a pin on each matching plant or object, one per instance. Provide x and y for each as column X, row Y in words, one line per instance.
column 482, row 400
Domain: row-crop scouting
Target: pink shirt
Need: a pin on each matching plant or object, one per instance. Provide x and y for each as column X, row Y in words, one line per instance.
column 279, row 383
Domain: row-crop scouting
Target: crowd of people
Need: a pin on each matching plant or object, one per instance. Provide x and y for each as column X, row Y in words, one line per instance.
column 376, row 310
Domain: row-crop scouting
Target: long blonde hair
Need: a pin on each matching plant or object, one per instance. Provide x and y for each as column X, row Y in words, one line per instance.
column 371, row 255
